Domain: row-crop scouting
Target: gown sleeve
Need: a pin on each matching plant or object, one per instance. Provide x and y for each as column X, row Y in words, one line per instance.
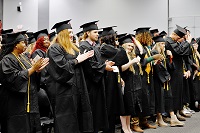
column 178, row 48
column 60, row 68
column 93, row 66
column 16, row 78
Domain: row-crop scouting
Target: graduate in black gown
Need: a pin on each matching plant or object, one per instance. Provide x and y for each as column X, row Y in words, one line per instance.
column 20, row 84
column 179, row 48
column 94, row 69
column 195, row 75
column 132, row 76
column 113, row 85
column 66, row 83
column 164, row 98
column 148, row 95
column 41, row 45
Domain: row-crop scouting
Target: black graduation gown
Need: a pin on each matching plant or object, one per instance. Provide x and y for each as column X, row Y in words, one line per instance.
column 178, row 51
column 133, row 91
column 15, row 84
column 113, row 88
column 186, row 82
column 42, row 54
column 164, row 101
column 148, row 94
column 194, row 90
column 66, row 86
column 94, row 70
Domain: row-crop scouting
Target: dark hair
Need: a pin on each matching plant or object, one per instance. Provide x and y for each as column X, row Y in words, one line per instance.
column 109, row 39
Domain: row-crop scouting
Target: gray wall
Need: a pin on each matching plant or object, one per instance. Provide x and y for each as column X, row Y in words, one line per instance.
column 126, row 14
column 185, row 13
column 43, row 14
column 28, row 17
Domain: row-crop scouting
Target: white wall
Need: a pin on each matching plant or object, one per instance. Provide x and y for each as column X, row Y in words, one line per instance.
column 28, row 17
column 126, row 14
column 185, row 13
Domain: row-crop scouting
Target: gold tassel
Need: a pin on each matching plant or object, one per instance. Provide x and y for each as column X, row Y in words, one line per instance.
column 148, row 79
column 119, row 78
column 28, row 93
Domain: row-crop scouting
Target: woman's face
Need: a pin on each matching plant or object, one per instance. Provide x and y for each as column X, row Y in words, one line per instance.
column 195, row 46
column 21, row 47
column 162, row 45
column 46, row 41
column 70, row 34
column 129, row 47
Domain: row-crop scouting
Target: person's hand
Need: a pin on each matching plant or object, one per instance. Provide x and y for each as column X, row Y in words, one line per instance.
column 135, row 60
column 109, row 65
column 122, row 82
column 185, row 75
column 189, row 73
column 188, row 38
column 158, row 57
column 81, row 57
column 45, row 62
column 169, row 52
column 37, row 64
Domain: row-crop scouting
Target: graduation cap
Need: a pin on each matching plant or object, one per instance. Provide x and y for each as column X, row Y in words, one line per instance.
column 79, row 34
column 121, row 35
column 14, row 37
column 89, row 26
column 52, row 35
column 31, row 40
column 193, row 41
column 6, row 31
column 198, row 41
column 163, row 33
column 180, row 31
column 4, row 36
column 108, row 31
column 142, row 30
column 40, row 33
column 158, row 39
column 29, row 34
column 23, row 32
column 62, row 26
column 154, row 31
column 125, row 39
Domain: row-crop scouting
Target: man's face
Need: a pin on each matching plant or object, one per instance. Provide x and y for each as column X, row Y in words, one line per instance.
column 93, row 35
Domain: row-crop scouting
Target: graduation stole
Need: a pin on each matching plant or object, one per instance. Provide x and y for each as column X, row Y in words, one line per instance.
column 166, row 84
column 197, row 62
column 149, row 65
column 28, row 88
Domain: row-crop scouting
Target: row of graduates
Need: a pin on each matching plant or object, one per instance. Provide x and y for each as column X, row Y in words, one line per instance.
column 85, row 89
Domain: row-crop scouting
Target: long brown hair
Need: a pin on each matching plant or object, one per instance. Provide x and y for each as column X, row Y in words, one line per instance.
column 144, row 38
column 63, row 39
column 85, row 35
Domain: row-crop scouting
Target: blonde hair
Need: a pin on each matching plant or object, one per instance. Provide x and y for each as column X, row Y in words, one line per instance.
column 63, row 39
column 157, row 47
column 131, row 55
